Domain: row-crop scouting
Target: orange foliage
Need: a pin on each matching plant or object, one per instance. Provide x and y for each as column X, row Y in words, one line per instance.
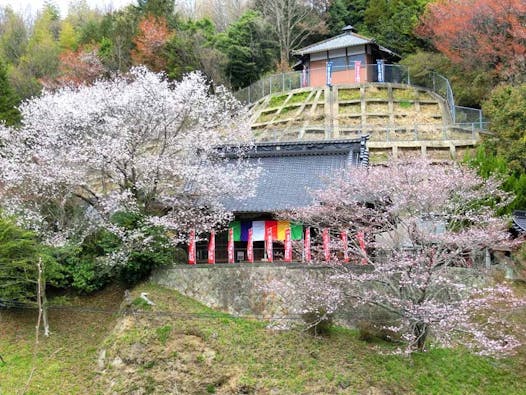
column 81, row 67
column 487, row 33
column 149, row 42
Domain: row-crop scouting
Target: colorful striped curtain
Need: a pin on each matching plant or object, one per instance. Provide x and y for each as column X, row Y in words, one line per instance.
column 274, row 226
column 240, row 229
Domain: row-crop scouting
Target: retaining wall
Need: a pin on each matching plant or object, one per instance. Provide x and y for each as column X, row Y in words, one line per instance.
column 240, row 289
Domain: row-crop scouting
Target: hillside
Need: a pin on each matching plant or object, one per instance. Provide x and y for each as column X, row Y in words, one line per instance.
column 399, row 119
column 180, row 347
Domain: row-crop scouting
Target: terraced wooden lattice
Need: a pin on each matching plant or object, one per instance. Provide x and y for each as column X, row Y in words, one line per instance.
column 385, row 111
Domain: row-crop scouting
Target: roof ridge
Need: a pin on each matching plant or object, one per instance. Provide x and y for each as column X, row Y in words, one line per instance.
column 297, row 51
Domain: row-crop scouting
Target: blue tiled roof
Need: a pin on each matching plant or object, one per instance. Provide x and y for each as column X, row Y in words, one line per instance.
column 285, row 182
column 519, row 221
column 290, row 173
column 341, row 41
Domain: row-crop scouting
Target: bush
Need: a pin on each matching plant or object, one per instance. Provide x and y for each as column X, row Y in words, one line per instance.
column 93, row 264
column 20, row 251
column 318, row 323
column 370, row 332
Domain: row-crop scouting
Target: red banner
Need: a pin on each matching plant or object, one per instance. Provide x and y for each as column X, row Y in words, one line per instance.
column 306, row 246
column 212, row 248
column 230, row 245
column 357, row 68
column 269, row 246
column 361, row 242
column 343, row 235
column 288, row 246
column 326, row 248
column 191, row 248
column 250, row 246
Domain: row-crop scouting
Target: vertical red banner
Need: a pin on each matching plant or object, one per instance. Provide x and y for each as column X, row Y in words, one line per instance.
column 230, row 245
column 361, row 242
column 343, row 235
column 191, row 248
column 269, row 244
column 212, row 248
column 250, row 246
column 306, row 246
column 357, row 68
column 326, row 241
column 288, row 246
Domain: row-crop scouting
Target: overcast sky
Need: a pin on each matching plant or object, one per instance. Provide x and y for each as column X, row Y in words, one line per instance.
column 35, row 5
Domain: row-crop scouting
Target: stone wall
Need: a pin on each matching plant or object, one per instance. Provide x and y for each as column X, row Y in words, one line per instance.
column 239, row 289
column 236, row 288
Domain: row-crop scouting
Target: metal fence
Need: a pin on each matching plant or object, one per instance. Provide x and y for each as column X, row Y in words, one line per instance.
column 392, row 73
column 423, row 132
column 277, row 83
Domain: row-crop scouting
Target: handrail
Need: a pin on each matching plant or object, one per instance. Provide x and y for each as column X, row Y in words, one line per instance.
column 286, row 82
column 417, row 132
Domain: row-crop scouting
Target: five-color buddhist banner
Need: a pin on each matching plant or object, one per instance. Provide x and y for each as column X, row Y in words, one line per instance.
column 260, row 228
column 283, row 231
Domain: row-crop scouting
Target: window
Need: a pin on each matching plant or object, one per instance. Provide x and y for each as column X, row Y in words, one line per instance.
column 354, row 58
column 339, row 64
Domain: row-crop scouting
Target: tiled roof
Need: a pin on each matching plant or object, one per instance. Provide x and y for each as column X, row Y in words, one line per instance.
column 344, row 40
column 291, row 172
column 519, row 221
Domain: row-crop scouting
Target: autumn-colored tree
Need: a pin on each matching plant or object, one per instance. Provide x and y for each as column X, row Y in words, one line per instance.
column 80, row 67
column 149, row 42
column 480, row 33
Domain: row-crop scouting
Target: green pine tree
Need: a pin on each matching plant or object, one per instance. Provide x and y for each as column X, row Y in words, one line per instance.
column 8, row 100
column 18, row 258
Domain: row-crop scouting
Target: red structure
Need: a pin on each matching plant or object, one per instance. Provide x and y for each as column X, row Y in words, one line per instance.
column 343, row 52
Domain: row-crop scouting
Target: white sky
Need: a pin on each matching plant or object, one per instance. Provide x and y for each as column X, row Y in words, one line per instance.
column 25, row 6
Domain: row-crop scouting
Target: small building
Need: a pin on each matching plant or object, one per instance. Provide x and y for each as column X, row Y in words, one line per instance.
column 352, row 59
column 518, row 225
column 290, row 170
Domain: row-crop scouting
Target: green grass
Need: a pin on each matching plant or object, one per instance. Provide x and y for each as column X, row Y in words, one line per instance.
column 295, row 362
column 349, row 94
column 299, row 97
column 405, row 104
column 262, row 360
column 376, row 93
column 277, row 100
column 286, row 111
column 66, row 361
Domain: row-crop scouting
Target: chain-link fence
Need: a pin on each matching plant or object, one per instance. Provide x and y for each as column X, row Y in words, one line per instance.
column 277, row 83
column 388, row 73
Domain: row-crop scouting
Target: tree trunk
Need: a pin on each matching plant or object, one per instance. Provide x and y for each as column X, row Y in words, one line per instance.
column 41, row 295
column 44, row 310
column 420, row 332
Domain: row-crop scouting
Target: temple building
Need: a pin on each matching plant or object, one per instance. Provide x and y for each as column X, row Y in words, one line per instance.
column 351, row 58
column 290, row 171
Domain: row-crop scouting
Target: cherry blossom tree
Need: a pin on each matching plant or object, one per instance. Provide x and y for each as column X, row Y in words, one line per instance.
column 425, row 224
column 136, row 144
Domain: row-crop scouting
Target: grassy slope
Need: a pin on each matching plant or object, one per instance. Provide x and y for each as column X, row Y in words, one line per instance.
column 258, row 360
column 208, row 352
column 66, row 360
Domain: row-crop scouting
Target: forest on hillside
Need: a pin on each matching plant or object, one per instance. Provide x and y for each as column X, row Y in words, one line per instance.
column 479, row 45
